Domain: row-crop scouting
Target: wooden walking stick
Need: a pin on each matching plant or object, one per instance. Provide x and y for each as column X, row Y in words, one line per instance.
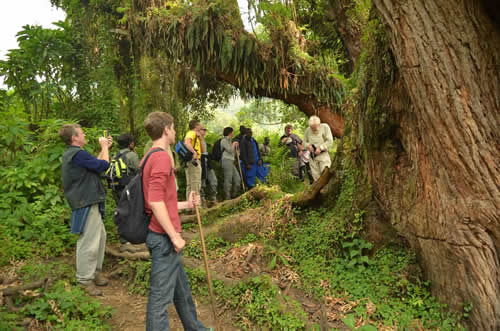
column 209, row 279
column 241, row 173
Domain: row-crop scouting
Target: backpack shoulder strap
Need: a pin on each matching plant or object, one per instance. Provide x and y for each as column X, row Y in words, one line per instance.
column 119, row 155
column 158, row 149
column 194, row 144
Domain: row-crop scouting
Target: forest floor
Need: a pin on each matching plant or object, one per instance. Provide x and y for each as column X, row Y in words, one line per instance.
column 237, row 265
column 130, row 309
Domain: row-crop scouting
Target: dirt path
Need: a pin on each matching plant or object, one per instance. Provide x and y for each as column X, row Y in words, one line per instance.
column 130, row 309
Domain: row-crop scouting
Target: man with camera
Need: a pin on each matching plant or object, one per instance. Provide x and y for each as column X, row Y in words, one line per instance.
column 318, row 139
column 86, row 194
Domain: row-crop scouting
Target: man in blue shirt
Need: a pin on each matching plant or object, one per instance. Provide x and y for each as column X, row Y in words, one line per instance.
column 86, row 194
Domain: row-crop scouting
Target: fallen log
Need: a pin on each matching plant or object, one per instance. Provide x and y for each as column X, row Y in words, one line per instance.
column 304, row 198
column 256, row 193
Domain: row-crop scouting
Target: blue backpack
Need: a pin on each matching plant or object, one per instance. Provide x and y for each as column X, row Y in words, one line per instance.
column 185, row 155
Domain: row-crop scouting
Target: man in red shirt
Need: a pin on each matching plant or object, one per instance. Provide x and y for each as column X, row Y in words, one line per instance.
column 168, row 281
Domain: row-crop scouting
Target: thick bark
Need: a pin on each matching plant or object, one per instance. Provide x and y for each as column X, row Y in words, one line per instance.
column 444, row 192
column 347, row 28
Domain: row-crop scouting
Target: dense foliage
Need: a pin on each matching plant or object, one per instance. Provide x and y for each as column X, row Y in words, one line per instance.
column 114, row 61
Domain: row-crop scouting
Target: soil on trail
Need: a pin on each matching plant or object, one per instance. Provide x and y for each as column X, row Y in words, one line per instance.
column 130, row 309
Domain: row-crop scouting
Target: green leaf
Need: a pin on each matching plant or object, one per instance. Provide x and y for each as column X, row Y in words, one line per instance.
column 272, row 264
column 349, row 321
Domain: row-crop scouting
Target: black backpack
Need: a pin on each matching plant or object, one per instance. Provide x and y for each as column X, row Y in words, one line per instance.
column 216, row 154
column 118, row 174
column 130, row 215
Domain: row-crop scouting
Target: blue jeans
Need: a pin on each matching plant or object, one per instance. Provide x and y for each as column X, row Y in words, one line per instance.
column 168, row 283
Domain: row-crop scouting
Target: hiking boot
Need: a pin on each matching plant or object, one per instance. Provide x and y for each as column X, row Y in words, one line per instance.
column 100, row 280
column 91, row 289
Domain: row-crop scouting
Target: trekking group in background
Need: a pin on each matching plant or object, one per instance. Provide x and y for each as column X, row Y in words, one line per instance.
column 242, row 163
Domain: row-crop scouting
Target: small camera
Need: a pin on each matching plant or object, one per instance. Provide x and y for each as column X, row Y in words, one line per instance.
column 313, row 154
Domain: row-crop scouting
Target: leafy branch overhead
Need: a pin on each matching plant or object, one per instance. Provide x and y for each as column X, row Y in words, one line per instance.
column 210, row 39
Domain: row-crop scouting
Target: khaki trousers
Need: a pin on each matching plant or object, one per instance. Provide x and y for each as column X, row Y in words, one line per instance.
column 193, row 178
column 319, row 163
column 90, row 247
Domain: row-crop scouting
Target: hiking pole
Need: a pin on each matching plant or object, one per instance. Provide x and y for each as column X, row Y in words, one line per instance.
column 241, row 173
column 206, row 263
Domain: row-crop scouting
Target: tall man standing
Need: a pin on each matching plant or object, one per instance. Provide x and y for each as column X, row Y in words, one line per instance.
column 168, row 280
column 193, row 168
column 86, row 194
column 231, row 176
column 318, row 139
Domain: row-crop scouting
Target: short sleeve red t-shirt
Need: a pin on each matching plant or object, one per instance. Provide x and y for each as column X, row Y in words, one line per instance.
column 158, row 180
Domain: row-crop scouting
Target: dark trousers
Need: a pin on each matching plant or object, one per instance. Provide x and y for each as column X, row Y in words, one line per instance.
column 307, row 169
column 168, row 283
column 116, row 196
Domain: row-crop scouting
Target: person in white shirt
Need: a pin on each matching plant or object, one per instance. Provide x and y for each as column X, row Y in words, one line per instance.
column 318, row 139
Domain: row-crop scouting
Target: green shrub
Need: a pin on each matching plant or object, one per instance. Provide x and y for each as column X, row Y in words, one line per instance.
column 62, row 307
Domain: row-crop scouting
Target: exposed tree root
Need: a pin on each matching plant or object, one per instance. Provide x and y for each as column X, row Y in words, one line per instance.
column 13, row 290
column 8, row 293
column 127, row 255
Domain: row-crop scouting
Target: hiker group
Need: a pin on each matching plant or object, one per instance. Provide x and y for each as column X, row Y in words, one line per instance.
column 155, row 186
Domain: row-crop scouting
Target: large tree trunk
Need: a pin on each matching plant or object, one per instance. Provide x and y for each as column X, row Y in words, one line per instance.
column 444, row 194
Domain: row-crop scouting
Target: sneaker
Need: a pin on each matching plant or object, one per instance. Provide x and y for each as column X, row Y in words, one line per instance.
column 100, row 280
column 91, row 289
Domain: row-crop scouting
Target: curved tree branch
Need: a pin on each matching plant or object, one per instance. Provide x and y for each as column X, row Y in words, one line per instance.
column 215, row 46
column 305, row 102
